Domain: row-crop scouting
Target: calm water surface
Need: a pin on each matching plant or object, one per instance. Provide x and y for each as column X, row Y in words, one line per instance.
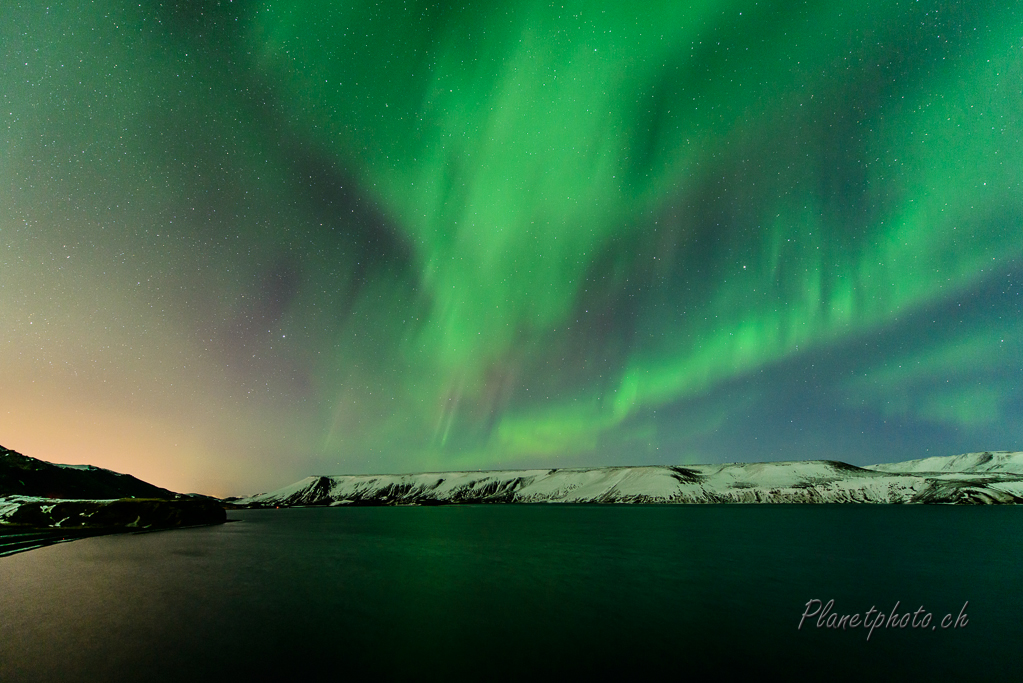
column 500, row 592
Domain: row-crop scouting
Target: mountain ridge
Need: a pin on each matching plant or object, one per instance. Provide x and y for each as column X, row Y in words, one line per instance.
column 21, row 475
column 968, row 480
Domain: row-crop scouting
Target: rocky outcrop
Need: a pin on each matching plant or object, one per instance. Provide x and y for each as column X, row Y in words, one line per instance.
column 37, row 495
column 125, row 513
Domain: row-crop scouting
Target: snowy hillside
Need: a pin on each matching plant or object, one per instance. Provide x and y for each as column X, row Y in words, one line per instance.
column 820, row 481
column 1001, row 462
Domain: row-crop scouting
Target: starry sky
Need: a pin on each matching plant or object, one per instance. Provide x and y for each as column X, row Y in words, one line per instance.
column 246, row 242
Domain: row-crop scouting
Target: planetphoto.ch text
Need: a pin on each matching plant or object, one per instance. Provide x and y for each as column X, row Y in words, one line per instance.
column 873, row 618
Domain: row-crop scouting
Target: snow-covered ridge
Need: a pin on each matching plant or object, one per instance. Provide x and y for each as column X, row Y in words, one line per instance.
column 1002, row 462
column 85, row 468
column 963, row 479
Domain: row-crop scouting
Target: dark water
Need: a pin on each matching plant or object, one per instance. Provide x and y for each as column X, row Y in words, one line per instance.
column 525, row 592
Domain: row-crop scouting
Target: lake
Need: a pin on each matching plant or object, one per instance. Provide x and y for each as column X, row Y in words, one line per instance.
column 487, row 592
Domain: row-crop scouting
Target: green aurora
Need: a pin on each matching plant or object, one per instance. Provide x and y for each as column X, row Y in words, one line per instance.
column 343, row 237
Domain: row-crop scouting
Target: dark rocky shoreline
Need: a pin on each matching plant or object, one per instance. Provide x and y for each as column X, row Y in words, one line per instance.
column 42, row 503
column 127, row 513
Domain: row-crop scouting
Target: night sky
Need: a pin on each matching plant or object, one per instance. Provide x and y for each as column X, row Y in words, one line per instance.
column 246, row 242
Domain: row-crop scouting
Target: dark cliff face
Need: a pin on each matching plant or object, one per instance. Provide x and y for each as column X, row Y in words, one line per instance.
column 21, row 475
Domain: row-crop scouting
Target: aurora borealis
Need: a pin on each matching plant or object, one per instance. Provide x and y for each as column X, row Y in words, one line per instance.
column 242, row 243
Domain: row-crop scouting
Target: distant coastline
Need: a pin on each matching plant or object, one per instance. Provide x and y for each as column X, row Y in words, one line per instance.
column 990, row 477
column 83, row 500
